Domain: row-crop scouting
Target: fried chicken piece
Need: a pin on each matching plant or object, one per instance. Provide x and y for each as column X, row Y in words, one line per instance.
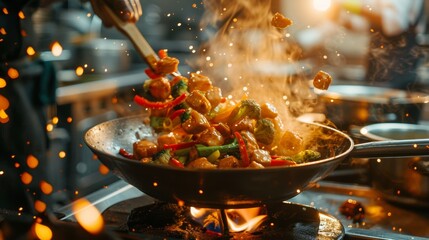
column 280, row 21
column 322, row 80
column 144, row 149
column 167, row 65
column 159, row 88
column 201, row 163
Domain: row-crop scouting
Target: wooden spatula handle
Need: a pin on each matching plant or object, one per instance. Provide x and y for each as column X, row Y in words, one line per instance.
column 135, row 36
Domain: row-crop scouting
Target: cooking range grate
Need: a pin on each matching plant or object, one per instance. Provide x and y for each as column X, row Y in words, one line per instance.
column 141, row 217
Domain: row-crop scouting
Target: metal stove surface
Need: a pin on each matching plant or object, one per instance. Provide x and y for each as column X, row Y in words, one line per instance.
column 383, row 220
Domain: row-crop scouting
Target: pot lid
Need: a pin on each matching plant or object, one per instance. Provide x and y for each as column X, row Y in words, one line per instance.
column 372, row 94
column 395, row 131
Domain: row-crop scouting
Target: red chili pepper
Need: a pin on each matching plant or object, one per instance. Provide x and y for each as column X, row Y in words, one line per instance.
column 175, row 163
column 281, row 162
column 243, row 151
column 126, row 154
column 178, row 146
column 177, row 113
column 151, row 74
column 162, row 53
column 159, row 105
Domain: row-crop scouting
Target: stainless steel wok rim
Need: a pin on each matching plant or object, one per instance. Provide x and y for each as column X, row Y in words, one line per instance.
column 340, row 156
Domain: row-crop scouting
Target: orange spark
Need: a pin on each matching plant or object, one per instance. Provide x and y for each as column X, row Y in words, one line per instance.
column 46, row 187
column 56, row 49
column 39, row 206
column 32, row 161
column 103, row 169
column 79, row 71
column 88, row 216
column 21, row 15
column 13, row 73
column 31, row 51
column 62, row 154
column 42, row 232
column 26, row 178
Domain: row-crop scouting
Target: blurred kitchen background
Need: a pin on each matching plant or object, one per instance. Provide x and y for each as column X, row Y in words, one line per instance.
column 99, row 70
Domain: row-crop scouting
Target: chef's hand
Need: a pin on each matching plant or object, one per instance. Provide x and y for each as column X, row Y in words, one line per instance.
column 127, row 10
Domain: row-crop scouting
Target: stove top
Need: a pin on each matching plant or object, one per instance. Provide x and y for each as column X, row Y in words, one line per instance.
column 383, row 220
column 145, row 218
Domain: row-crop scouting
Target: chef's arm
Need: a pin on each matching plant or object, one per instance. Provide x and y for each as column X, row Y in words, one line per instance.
column 127, row 10
column 369, row 9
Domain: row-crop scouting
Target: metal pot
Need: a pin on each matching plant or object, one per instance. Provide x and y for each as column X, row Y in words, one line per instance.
column 347, row 105
column 402, row 180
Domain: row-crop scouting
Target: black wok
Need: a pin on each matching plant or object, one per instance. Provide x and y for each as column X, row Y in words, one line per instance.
column 230, row 188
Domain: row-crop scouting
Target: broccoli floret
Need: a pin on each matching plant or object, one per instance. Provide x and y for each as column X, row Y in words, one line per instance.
column 179, row 88
column 162, row 157
column 306, row 156
column 249, row 108
column 185, row 116
column 264, row 131
column 303, row 156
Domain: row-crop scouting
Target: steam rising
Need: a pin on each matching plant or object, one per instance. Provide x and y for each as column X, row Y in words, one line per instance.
column 247, row 56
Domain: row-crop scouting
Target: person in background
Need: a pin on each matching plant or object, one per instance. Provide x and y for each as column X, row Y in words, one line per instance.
column 393, row 53
column 27, row 87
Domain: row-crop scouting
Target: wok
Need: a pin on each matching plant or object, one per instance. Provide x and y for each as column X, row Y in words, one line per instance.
column 230, row 188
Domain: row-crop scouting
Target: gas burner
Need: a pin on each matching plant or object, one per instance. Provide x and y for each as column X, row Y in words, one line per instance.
column 146, row 218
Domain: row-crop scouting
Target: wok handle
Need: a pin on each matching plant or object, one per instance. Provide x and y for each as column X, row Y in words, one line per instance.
column 391, row 148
